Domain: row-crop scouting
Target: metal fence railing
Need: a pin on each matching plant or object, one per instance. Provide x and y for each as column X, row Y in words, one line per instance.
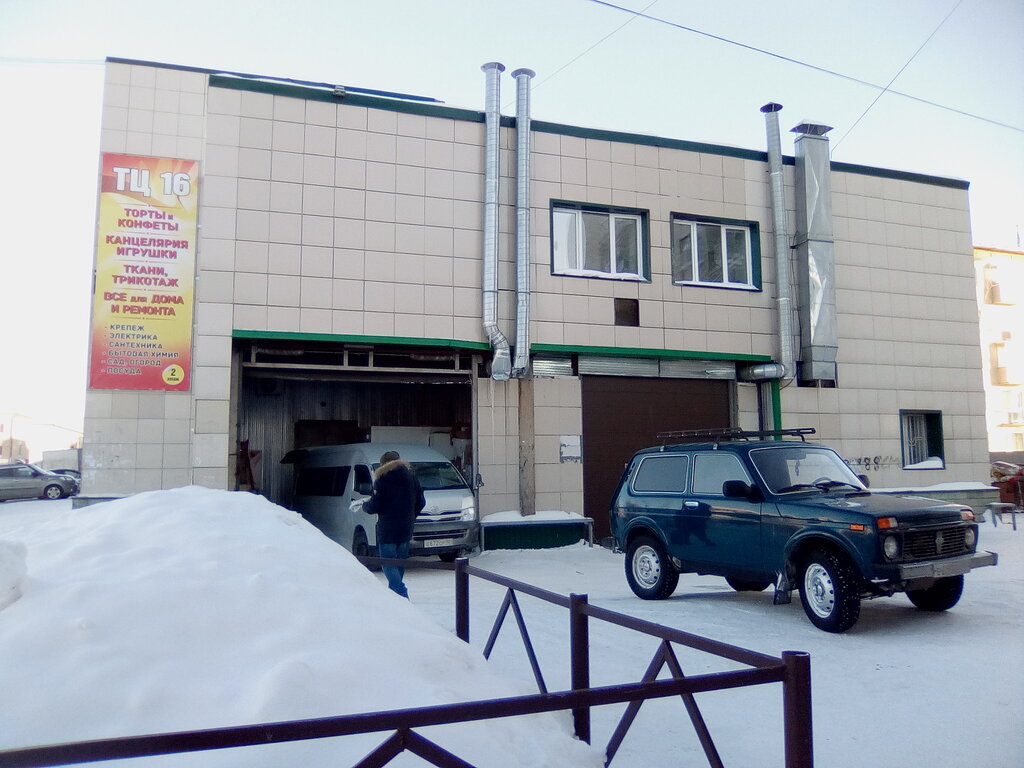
column 792, row 670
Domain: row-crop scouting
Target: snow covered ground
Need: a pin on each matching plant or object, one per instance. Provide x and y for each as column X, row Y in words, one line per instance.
column 195, row 608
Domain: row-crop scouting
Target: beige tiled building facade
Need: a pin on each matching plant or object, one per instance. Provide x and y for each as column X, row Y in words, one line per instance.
column 342, row 279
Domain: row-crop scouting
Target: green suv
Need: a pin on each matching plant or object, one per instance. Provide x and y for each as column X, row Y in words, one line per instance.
column 763, row 508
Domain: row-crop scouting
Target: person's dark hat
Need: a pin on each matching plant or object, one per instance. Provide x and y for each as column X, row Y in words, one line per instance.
column 388, row 456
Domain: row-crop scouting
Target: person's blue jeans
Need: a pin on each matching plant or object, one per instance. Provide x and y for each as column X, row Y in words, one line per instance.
column 395, row 573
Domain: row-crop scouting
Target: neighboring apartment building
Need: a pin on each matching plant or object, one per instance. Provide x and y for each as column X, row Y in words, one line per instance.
column 1000, row 281
column 538, row 303
column 12, row 449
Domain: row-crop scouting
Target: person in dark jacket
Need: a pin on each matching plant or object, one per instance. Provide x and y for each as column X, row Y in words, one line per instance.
column 397, row 499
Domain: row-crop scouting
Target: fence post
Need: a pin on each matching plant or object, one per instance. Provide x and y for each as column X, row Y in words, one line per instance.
column 579, row 648
column 462, row 599
column 796, row 696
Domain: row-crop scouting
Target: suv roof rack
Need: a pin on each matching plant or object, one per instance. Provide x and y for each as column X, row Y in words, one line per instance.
column 732, row 433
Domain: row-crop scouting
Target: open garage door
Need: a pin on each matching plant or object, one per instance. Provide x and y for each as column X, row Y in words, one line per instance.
column 623, row 414
column 292, row 396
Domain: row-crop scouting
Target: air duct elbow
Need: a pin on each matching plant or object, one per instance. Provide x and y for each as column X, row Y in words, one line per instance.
column 763, row 372
column 501, row 364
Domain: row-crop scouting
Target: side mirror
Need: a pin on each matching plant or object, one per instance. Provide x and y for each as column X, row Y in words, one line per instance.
column 364, row 488
column 864, row 479
column 737, row 489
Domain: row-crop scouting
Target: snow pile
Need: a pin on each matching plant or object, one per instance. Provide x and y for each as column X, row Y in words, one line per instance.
column 12, row 571
column 193, row 609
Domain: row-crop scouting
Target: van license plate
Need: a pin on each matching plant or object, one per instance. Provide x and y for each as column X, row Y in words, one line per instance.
column 435, row 543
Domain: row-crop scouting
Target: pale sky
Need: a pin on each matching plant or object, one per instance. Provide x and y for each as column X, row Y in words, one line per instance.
column 954, row 107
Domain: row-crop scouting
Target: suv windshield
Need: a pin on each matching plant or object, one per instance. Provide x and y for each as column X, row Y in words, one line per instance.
column 801, row 467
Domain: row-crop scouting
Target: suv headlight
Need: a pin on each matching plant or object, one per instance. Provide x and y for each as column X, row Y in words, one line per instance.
column 468, row 515
column 890, row 547
column 970, row 537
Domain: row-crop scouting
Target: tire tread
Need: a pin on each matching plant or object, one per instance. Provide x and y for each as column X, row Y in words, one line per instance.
column 844, row 580
column 669, row 574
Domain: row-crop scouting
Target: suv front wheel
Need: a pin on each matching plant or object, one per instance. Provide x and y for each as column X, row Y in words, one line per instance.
column 651, row 575
column 828, row 591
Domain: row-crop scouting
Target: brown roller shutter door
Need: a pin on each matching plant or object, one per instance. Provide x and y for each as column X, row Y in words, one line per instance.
column 622, row 415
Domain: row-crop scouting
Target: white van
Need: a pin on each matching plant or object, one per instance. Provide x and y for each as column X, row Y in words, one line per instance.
column 332, row 482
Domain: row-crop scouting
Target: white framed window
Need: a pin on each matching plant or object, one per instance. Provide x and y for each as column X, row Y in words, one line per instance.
column 715, row 252
column 594, row 241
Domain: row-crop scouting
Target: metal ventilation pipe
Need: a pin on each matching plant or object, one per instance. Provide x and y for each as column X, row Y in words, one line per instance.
column 522, row 360
column 815, row 255
column 783, row 278
column 501, row 364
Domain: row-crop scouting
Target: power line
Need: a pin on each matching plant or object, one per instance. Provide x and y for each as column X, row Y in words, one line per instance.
column 592, row 47
column 893, row 80
column 816, row 68
column 583, row 53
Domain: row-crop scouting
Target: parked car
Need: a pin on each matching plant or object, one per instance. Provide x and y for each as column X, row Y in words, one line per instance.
column 73, row 472
column 27, row 481
column 331, row 484
column 763, row 508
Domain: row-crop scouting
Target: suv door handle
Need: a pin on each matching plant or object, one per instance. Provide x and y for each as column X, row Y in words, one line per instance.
column 690, row 504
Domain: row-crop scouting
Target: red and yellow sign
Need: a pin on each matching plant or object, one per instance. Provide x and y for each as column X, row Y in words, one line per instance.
column 145, row 274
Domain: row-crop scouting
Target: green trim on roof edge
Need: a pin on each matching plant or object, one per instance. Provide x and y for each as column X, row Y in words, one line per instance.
column 885, row 173
column 744, row 154
column 439, row 109
column 282, row 80
column 339, row 338
column 352, row 99
column 683, row 354
column 647, row 140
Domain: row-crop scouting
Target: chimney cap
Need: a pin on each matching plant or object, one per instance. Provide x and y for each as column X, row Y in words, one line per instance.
column 811, row 128
column 771, row 107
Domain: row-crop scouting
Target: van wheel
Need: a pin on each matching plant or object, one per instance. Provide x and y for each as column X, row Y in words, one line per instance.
column 940, row 596
column 828, row 591
column 747, row 585
column 361, row 548
column 649, row 572
column 53, row 492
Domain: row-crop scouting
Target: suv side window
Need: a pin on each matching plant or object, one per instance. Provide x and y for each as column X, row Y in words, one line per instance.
column 662, row 474
column 711, row 470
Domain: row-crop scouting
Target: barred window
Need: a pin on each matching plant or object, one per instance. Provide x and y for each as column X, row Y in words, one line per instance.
column 921, row 438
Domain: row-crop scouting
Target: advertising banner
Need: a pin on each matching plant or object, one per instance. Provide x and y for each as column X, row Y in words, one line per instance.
column 145, row 274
